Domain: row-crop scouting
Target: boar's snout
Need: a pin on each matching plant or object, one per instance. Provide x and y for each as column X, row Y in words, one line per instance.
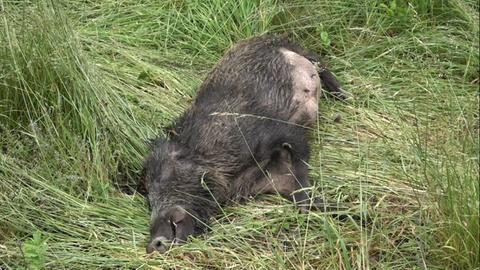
column 171, row 227
column 159, row 244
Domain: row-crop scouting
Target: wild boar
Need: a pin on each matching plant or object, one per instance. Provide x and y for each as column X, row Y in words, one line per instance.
column 245, row 134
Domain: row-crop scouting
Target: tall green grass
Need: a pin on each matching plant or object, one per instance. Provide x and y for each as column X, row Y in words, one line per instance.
column 84, row 83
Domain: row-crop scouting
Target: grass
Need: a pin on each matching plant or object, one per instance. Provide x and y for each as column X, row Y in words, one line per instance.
column 84, row 83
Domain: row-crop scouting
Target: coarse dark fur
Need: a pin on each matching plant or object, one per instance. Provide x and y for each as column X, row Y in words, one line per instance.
column 243, row 136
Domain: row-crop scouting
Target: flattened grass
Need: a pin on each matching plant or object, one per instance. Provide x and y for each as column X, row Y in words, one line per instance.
column 84, row 84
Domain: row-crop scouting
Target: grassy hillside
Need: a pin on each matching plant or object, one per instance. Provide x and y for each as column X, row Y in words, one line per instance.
column 84, row 83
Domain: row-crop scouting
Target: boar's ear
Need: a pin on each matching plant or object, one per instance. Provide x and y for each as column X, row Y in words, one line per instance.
column 182, row 222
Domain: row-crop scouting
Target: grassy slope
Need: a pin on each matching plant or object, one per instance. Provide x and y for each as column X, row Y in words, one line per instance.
column 83, row 84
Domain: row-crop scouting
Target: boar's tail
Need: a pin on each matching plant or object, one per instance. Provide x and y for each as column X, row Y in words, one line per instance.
column 331, row 83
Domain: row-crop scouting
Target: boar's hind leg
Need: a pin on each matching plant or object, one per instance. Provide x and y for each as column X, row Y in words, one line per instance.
column 287, row 175
column 329, row 81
